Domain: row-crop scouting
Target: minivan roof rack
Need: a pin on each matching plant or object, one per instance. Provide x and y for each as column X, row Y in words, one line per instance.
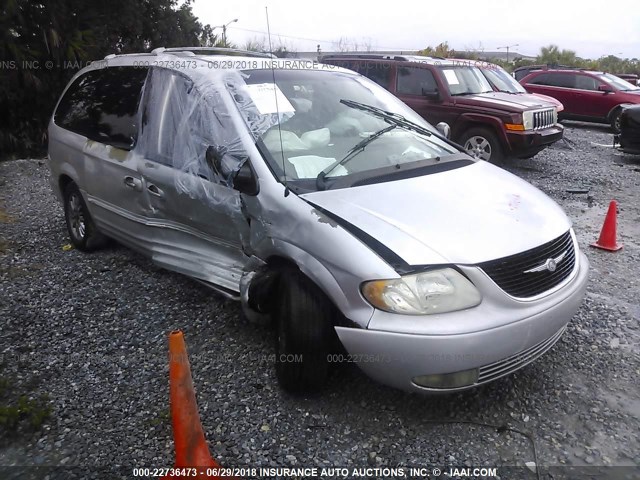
column 114, row 55
column 211, row 51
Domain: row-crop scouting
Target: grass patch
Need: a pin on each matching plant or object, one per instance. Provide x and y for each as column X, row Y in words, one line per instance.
column 5, row 217
column 13, row 272
column 20, row 413
column 163, row 417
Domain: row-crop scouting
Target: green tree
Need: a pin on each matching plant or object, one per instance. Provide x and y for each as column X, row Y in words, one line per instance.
column 441, row 50
column 44, row 42
column 552, row 55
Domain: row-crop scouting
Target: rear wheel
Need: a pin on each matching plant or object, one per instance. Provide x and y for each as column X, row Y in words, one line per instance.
column 82, row 231
column 304, row 333
column 482, row 144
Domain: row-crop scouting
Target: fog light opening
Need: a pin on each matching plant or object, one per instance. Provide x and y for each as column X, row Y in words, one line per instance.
column 464, row 378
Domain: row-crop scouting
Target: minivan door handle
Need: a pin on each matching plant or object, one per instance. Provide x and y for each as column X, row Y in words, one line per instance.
column 132, row 182
column 154, row 190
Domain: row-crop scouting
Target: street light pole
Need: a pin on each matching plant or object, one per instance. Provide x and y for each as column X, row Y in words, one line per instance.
column 508, row 47
column 224, row 30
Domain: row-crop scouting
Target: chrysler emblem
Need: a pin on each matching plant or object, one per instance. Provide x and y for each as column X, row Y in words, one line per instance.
column 550, row 264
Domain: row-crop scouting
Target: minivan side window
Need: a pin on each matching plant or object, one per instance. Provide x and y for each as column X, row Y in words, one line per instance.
column 160, row 124
column 102, row 105
column 415, row 81
column 181, row 121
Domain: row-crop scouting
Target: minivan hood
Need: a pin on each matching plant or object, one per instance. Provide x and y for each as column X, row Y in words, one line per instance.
column 463, row 216
column 517, row 102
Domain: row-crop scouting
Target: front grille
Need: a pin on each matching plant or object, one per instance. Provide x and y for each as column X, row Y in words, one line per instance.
column 544, row 119
column 519, row 360
column 509, row 272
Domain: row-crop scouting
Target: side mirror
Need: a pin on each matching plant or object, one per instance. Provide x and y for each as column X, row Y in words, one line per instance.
column 605, row 88
column 242, row 180
column 431, row 94
column 444, row 129
column 245, row 180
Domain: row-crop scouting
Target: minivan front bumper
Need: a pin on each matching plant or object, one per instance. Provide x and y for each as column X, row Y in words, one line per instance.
column 528, row 143
column 396, row 359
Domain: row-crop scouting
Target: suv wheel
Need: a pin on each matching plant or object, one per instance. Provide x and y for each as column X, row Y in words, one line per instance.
column 303, row 336
column 82, row 231
column 482, row 144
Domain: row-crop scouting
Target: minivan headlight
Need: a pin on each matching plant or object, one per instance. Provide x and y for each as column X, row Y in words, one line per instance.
column 434, row 291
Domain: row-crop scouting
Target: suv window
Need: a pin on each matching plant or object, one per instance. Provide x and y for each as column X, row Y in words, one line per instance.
column 415, row 81
column 378, row 72
column 102, row 105
column 465, row 80
column 566, row 80
column 584, row 82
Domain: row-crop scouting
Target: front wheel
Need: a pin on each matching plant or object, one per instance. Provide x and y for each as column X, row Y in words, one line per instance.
column 615, row 120
column 482, row 144
column 304, row 333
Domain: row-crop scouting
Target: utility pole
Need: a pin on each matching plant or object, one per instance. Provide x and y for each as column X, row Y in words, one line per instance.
column 508, row 47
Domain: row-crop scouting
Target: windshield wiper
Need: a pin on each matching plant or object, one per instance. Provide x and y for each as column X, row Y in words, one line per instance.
column 389, row 117
column 357, row 148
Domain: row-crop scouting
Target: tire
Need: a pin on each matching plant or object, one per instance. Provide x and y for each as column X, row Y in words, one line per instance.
column 82, row 231
column 482, row 144
column 615, row 120
column 303, row 333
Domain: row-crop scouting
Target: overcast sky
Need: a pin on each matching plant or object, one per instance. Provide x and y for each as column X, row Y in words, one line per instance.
column 591, row 28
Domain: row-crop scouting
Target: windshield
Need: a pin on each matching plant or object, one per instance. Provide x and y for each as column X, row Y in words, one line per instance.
column 501, row 80
column 617, row 83
column 325, row 117
column 465, row 80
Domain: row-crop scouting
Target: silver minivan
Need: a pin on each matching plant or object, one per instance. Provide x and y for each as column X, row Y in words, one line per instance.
column 323, row 203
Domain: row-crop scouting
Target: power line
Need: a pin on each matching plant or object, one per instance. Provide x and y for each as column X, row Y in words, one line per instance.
column 334, row 42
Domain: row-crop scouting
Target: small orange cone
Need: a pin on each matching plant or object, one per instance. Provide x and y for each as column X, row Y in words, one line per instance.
column 190, row 443
column 607, row 240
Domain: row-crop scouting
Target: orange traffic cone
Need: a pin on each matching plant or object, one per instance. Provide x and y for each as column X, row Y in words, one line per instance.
column 607, row 240
column 190, row 444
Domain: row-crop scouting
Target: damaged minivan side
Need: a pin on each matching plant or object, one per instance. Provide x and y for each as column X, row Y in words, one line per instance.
column 325, row 205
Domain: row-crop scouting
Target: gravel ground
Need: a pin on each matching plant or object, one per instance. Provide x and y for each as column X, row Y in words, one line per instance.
column 90, row 332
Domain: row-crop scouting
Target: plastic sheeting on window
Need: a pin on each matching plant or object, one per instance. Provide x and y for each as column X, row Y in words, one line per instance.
column 183, row 118
column 258, row 121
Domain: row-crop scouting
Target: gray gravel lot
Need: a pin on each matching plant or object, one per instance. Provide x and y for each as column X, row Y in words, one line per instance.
column 90, row 331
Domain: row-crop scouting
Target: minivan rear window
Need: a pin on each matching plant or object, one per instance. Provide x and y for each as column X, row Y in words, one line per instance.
column 102, row 105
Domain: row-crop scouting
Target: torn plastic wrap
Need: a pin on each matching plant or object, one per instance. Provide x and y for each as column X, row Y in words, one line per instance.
column 183, row 119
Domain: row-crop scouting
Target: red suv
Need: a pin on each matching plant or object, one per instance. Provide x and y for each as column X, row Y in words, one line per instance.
column 586, row 95
column 488, row 124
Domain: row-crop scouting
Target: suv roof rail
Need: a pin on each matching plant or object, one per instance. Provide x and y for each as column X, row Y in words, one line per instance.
column 211, row 51
column 547, row 66
column 378, row 56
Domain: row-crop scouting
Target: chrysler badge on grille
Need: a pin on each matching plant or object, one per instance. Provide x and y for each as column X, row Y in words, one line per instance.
column 550, row 264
